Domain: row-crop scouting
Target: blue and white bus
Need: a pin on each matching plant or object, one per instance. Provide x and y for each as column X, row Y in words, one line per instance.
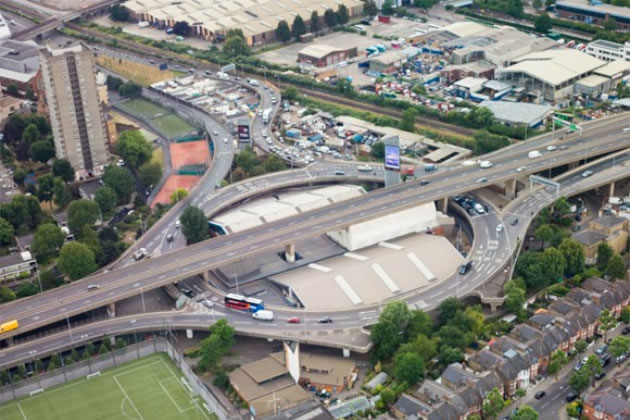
column 243, row 303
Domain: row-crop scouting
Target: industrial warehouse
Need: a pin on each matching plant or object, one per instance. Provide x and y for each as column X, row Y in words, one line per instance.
column 212, row 19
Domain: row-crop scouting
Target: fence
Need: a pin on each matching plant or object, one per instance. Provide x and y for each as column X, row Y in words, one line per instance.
column 39, row 382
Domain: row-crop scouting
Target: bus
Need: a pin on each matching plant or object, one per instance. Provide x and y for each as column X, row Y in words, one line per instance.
column 243, row 303
column 8, row 326
column 266, row 114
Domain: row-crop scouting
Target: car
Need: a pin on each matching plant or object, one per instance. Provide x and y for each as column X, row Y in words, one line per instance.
column 563, row 147
column 540, row 395
column 139, row 254
column 575, row 228
column 620, row 359
column 601, row 350
column 571, row 396
column 325, row 320
column 93, row 287
column 169, row 237
column 499, row 228
column 215, row 132
column 207, row 303
column 482, row 180
column 465, row 268
column 551, row 148
column 586, row 174
column 626, row 330
column 520, row 169
column 177, row 224
column 293, row 320
column 225, row 140
column 425, row 182
column 599, row 375
column 340, row 173
column 514, row 222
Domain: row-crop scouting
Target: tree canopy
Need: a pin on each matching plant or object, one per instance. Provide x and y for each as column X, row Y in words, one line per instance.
column 283, row 33
column 76, row 260
column 47, row 241
column 194, row 224
column 82, row 212
column 121, row 181
column 133, row 148
column 63, row 169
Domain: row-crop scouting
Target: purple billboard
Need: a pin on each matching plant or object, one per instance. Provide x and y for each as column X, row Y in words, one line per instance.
column 392, row 157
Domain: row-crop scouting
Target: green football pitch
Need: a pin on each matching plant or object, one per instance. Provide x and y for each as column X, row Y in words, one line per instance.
column 147, row 389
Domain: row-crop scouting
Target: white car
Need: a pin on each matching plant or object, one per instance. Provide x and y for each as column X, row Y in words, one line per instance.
column 520, row 169
column 551, row 148
column 177, row 224
column 499, row 228
column 485, row 164
column 225, row 140
column 586, row 174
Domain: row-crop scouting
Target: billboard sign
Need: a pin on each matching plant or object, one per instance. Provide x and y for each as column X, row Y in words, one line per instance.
column 243, row 133
column 392, row 157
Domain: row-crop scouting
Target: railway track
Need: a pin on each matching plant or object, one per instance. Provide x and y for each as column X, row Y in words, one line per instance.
column 162, row 54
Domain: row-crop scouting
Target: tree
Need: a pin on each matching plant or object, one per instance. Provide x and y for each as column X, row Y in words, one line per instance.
column 105, row 198
column 370, row 9
column 604, row 252
column 23, row 213
column 330, row 17
column 225, row 333
column 13, row 90
column 120, row 343
column 615, row 267
column 409, row 368
column 121, row 181
column 216, row 345
column 55, row 362
column 283, row 33
column 423, row 4
column 76, row 260
column 573, row 255
column 178, row 195
column 235, row 45
column 625, row 315
column 130, row 90
column 45, row 186
column 544, row 233
column 537, row 5
column 6, row 294
column 452, row 336
column 387, row 333
column 133, row 148
column 19, row 175
column 47, row 241
column 42, row 151
column 314, row 22
column 194, row 224
column 487, row 142
column 181, row 28
column 63, row 169
column 387, row 8
column 619, row 345
column 423, row 346
column 342, row 15
column 298, row 28
column 113, row 82
column 82, row 212
column 514, row 298
column 606, row 322
column 525, row 412
column 408, row 120
column 610, row 24
column 553, row 266
column 30, row 134
column 493, row 403
column 387, row 396
column 448, row 308
column 558, row 360
column 246, row 159
column 6, row 232
column 543, row 23
column 150, row 173
column 515, row 8
column 119, row 13
column 419, row 323
column 580, row 346
column 61, row 193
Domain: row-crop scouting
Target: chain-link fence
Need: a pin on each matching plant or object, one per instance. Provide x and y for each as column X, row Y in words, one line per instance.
column 38, row 382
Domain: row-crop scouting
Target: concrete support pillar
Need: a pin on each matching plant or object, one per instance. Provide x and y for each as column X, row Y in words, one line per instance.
column 206, row 276
column 442, row 205
column 611, row 192
column 189, row 333
column 493, row 307
column 111, row 310
column 112, row 341
column 573, row 165
column 346, row 353
column 9, row 342
column 510, row 189
column 289, row 252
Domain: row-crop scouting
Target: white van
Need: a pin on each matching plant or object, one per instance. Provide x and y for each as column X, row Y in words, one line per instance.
column 534, row 154
column 485, row 164
column 263, row 315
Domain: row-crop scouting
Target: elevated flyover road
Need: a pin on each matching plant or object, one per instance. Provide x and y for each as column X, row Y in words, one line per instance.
column 73, row 299
column 346, row 331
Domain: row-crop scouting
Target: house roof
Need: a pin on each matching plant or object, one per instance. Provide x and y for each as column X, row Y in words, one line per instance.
column 610, row 404
column 409, row 406
column 588, row 237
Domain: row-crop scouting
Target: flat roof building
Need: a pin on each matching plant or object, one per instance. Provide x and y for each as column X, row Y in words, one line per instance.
column 605, row 50
column 5, row 31
column 19, row 65
column 17, row 265
column 321, row 55
column 212, row 19
column 549, row 75
column 593, row 13
column 518, row 113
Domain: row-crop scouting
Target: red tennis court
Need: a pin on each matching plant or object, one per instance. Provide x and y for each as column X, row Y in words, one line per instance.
column 172, row 183
column 189, row 153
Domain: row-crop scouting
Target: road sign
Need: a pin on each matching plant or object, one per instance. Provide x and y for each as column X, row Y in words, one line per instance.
column 228, row 68
column 535, row 179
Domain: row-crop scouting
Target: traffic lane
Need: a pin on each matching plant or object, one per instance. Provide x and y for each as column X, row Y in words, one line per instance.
column 388, row 192
column 385, row 193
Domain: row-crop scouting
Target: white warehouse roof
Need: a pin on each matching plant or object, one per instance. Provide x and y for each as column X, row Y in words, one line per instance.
column 555, row 67
column 5, row 31
column 518, row 112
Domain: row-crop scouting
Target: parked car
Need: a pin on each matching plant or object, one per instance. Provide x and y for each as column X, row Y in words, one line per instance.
column 571, row 396
column 601, row 350
column 540, row 395
column 514, row 222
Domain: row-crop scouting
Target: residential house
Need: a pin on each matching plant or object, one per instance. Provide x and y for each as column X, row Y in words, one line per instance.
column 606, row 405
column 408, row 406
column 612, row 230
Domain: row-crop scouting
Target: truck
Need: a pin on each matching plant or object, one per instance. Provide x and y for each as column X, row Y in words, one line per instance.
column 8, row 326
column 266, row 115
column 263, row 315
column 430, row 167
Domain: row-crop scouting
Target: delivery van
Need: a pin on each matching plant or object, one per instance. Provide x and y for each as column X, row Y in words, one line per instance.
column 263, row 315
column 534, row 154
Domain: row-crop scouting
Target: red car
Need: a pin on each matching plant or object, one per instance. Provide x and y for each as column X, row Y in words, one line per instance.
column 294, row 320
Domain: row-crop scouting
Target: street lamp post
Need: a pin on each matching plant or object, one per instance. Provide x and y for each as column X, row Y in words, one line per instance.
column 70, row 329
column 32, row 354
